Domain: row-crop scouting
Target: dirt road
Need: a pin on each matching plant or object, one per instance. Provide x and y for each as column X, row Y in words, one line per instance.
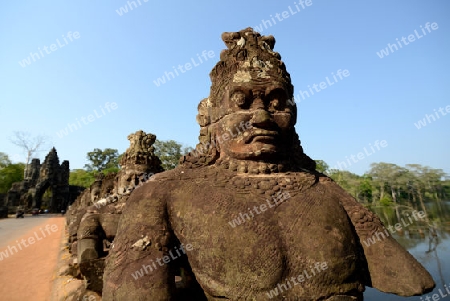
column 29, row 249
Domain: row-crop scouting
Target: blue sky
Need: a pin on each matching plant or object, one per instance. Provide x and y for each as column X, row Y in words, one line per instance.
column 117, row 58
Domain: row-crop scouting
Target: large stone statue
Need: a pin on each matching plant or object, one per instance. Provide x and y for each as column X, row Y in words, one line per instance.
column 245, row 216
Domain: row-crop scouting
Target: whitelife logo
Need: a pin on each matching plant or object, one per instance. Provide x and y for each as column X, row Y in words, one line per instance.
column 316, row 269
column 411, row 38
column 11, row 250
column 33, row 56
column 124, row 9
column 72, row 127
column 169, row 75
column 284, row 15
column 161, row 261
column 398, row 227
column 430, row 118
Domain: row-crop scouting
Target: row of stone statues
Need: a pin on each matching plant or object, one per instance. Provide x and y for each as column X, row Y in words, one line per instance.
column 93, row 218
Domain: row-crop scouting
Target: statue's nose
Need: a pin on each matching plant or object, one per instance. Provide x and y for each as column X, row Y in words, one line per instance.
column 261, row 118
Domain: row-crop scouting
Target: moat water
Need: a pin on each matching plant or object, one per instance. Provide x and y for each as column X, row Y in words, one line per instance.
column 432, row 251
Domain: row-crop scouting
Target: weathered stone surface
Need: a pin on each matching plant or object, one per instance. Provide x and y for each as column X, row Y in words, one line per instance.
column 139, row 159
column 93, row 218
column 246, row 212
column 92, row 270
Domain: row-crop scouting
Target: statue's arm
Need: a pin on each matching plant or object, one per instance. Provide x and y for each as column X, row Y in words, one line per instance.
column 391, row 268
column 135, row 268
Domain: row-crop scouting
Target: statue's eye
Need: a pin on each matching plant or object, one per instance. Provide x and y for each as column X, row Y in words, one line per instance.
column 238, row 98
column 276, row 100
column 275, row 104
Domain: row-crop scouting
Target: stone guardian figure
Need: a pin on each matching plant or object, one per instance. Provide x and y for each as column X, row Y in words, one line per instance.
column 245, row 216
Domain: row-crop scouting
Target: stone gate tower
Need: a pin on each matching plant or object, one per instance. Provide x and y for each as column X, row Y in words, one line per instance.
column 38, row 179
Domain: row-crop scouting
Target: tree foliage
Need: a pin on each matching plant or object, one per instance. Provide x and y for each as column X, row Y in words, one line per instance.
column 101, row 160
column 169, row 152
column 9, row 173
column 81, row 177
column 388, row 184
column 107, row 161
column 4, row 160
column 322, row 166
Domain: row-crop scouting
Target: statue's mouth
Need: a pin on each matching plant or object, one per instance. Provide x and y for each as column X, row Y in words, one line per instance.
column 262, row 136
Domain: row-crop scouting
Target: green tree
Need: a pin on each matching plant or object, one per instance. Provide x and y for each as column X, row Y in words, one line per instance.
column 10, row 174
column 365, row 189
column 349, row 181
column 397, row 187
column 81, row 177
column 322, row 166
column 4, row 160
column 425, row 182
column 388, row 178
column 169, row 152
column 102, row 160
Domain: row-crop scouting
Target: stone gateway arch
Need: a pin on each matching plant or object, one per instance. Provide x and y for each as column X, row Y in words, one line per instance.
column 39, row 178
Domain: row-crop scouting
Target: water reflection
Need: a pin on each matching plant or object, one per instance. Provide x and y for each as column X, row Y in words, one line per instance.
column 428, row 240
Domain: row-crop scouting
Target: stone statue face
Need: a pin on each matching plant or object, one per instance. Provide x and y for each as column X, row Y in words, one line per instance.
column 95, row 191
column 126, row 180
column 260, row 121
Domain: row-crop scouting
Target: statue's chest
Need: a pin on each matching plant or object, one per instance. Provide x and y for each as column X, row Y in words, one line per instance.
column 255, row 231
